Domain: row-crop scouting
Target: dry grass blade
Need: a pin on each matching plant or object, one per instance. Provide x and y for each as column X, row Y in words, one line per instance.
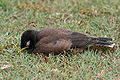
column 88, row 13
column 81, row 23
column 65, row 20
column 6, row 45
column 34, row 7
column 5, row 65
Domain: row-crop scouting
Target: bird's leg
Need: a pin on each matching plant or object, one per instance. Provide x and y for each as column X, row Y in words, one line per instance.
column 74, row 51
column 44, row 56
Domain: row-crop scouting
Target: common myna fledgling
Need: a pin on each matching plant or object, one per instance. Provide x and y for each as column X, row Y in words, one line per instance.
column 56, row 40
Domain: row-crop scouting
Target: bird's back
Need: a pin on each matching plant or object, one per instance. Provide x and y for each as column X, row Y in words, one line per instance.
column 54, row 34
column 77, row 39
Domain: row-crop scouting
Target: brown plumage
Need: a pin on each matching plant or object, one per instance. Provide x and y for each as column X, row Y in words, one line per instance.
column 57, row 40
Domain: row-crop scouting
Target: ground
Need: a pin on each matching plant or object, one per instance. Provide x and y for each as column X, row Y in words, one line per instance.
column 93, row 17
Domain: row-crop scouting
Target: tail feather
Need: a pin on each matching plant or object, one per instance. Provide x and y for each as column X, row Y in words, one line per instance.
column 103, row 41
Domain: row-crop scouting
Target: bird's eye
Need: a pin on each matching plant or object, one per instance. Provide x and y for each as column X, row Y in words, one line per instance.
column 28, row 43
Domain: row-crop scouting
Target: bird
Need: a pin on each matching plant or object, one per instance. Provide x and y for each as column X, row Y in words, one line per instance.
column 58, row 40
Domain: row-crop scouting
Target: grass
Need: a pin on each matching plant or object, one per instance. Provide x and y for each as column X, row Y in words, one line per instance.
column 94, row 17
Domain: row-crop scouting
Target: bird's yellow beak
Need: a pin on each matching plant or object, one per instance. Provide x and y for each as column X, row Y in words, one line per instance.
column 22, row 49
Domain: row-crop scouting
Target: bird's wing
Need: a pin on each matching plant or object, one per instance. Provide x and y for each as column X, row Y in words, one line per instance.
column 53, row 46
column 80, row 40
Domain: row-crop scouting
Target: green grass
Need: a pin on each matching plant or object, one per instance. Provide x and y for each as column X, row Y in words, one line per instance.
column 98, row 18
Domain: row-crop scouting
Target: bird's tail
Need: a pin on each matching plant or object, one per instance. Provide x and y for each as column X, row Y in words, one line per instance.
column 103, row 41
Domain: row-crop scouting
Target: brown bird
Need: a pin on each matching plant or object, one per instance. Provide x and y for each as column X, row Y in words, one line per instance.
column 57, row 40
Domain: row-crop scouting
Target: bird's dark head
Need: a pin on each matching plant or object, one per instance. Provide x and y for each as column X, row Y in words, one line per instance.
column 28, row 39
